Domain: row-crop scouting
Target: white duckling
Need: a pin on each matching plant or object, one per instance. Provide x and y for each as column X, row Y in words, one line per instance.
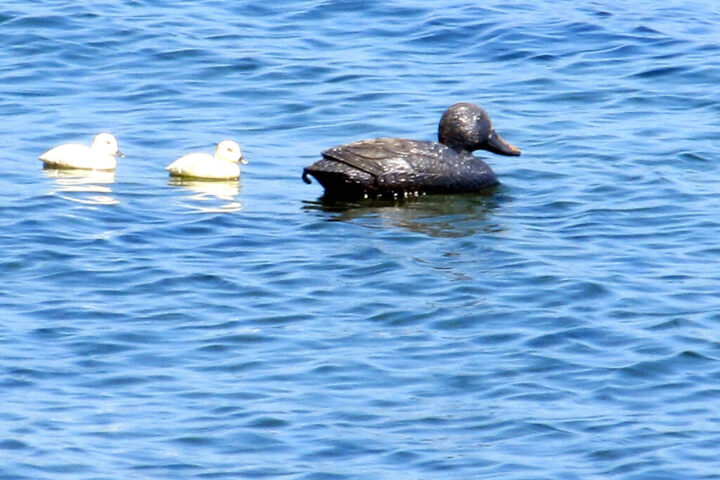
column 98, row 156
column 222, row 166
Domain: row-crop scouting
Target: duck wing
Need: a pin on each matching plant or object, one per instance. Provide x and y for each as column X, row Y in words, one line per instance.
column 383, row 156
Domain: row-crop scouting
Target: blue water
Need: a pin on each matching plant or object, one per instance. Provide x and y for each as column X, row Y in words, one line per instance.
column 564, row 327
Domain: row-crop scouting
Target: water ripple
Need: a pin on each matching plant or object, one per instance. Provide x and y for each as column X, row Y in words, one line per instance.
column 561, row 326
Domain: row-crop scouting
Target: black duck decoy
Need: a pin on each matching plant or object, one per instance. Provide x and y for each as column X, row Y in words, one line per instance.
column 399, row 167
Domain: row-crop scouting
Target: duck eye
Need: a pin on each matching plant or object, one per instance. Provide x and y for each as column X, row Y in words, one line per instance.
column 229, row 149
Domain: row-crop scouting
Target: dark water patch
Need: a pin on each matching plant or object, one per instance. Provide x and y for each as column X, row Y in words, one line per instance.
column 98, row 348
column 660, row 72
column 666, row 366
column 12, row 444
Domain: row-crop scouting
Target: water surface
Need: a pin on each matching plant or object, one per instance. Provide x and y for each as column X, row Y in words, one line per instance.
column 563, row 327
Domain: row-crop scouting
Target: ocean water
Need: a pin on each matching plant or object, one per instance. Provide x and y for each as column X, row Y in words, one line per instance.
column 563, row 327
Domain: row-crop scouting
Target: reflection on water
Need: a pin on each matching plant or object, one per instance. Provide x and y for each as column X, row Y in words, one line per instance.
column 90, row 187
column 450, row 216
column 209, row 195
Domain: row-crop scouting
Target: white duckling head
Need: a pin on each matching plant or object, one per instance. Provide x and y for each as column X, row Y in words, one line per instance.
column 106, row 144
column 229, row 151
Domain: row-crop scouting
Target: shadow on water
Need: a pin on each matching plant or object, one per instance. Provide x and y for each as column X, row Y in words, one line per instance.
column 449, row 216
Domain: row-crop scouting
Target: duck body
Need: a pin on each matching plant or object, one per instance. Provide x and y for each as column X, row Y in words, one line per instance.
column 203, row 165
column 401, row 167
column 223, row 165
column 100, row 155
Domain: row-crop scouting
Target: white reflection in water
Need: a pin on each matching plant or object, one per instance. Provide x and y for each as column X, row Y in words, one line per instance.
column 209, row 195
column 89, row 187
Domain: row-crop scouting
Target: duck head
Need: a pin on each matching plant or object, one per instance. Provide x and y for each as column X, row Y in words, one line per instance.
column 107, row 144
column 229, row 151
column 465, row 127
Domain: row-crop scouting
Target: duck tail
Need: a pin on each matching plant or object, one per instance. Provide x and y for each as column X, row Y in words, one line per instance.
column 305, row 177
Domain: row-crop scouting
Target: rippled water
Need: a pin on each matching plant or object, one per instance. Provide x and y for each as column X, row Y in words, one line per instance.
column 563, row 327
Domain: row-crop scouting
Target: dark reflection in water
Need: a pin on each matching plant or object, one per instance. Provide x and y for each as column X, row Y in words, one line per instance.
column 449, row 216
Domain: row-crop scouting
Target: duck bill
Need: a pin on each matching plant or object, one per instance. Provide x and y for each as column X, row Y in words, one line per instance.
column 119, row 154
column 496, row 144
column 242, row 161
